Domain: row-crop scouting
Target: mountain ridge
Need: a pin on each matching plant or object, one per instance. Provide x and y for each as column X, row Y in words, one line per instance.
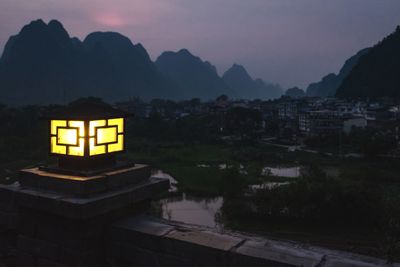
column 190, row 71
column 43, row 64
column 377, row 72
column 331, row 82
column 245, row 86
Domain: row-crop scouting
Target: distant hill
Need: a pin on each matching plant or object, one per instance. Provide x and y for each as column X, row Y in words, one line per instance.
column 244, row 86
column 377, row 73
column 131, row 64
column 295, row 92
column 197, row 78
column 331, row 82
column 42, row 64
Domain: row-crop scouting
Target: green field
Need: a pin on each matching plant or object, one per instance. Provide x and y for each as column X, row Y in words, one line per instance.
column 182, row 162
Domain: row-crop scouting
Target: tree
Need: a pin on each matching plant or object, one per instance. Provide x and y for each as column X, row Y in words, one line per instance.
column 243, row 121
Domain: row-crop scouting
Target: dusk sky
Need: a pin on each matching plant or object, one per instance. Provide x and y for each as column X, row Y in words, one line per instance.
column 291, row 42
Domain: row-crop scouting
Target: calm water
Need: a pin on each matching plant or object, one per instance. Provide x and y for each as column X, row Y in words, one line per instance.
column 288, row 172
column 198, row 210
column 160, row 174
column 204, row 211
column 193, row 210
column 267, row 185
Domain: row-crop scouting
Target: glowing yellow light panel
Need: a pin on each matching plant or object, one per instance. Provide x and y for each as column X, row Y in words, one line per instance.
column 119, row 146
column 106, row 136
column 68, row 137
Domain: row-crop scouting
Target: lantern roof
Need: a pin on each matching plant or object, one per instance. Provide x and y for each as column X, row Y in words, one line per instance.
column 89, row 108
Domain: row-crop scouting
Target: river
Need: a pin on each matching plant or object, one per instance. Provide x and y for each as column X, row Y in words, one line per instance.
column 204, row 210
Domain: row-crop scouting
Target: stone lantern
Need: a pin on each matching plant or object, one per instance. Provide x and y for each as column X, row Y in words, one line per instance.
column 65, row 209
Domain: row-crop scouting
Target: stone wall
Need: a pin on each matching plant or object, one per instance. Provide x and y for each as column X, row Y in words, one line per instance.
column 8, row 223
column 145, row 241
column 45, row 228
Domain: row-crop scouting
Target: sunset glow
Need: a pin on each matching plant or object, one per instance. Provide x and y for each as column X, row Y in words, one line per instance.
column 110, row 20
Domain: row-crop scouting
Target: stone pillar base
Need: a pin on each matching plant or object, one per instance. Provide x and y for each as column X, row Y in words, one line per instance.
column 64, row 223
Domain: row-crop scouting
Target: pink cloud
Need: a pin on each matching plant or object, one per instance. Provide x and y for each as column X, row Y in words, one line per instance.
column 110, row 19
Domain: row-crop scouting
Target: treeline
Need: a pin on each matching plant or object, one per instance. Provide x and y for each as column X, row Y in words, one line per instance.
column 23, row 136
column 370, row 142
column 244, row 123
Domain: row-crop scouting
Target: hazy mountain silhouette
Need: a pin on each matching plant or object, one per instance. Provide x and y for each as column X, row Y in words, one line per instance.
column 331, row 82
column 197, row 78
column 244, row 86
column 377, row 72
column 42, row 64
column 37, row 64
column 137, row 75
column 295, row 92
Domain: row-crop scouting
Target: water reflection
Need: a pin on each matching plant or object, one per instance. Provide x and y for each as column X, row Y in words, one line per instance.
column 160, row 174
column 295, row 171
column 266, row 185
column 192, row 210
column 203, row 165
column 205, row 211
column 288, row 172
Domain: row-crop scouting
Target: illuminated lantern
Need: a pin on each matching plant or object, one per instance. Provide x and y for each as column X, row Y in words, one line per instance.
column 87, row 134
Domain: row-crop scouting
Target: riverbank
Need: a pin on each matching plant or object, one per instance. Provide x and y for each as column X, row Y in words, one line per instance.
column 200, row 170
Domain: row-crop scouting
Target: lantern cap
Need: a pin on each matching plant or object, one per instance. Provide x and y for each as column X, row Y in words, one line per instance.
column 89, row 108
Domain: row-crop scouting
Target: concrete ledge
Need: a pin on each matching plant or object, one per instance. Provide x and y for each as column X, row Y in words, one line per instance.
column 83, row 185
column 147, row 241
column 272, row 253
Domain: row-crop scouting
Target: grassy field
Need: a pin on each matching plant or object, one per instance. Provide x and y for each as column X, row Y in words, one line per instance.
column 184, row 163
column 198, row 168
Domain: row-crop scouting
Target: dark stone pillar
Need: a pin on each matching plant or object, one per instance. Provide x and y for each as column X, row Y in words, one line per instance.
column 62, row 219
